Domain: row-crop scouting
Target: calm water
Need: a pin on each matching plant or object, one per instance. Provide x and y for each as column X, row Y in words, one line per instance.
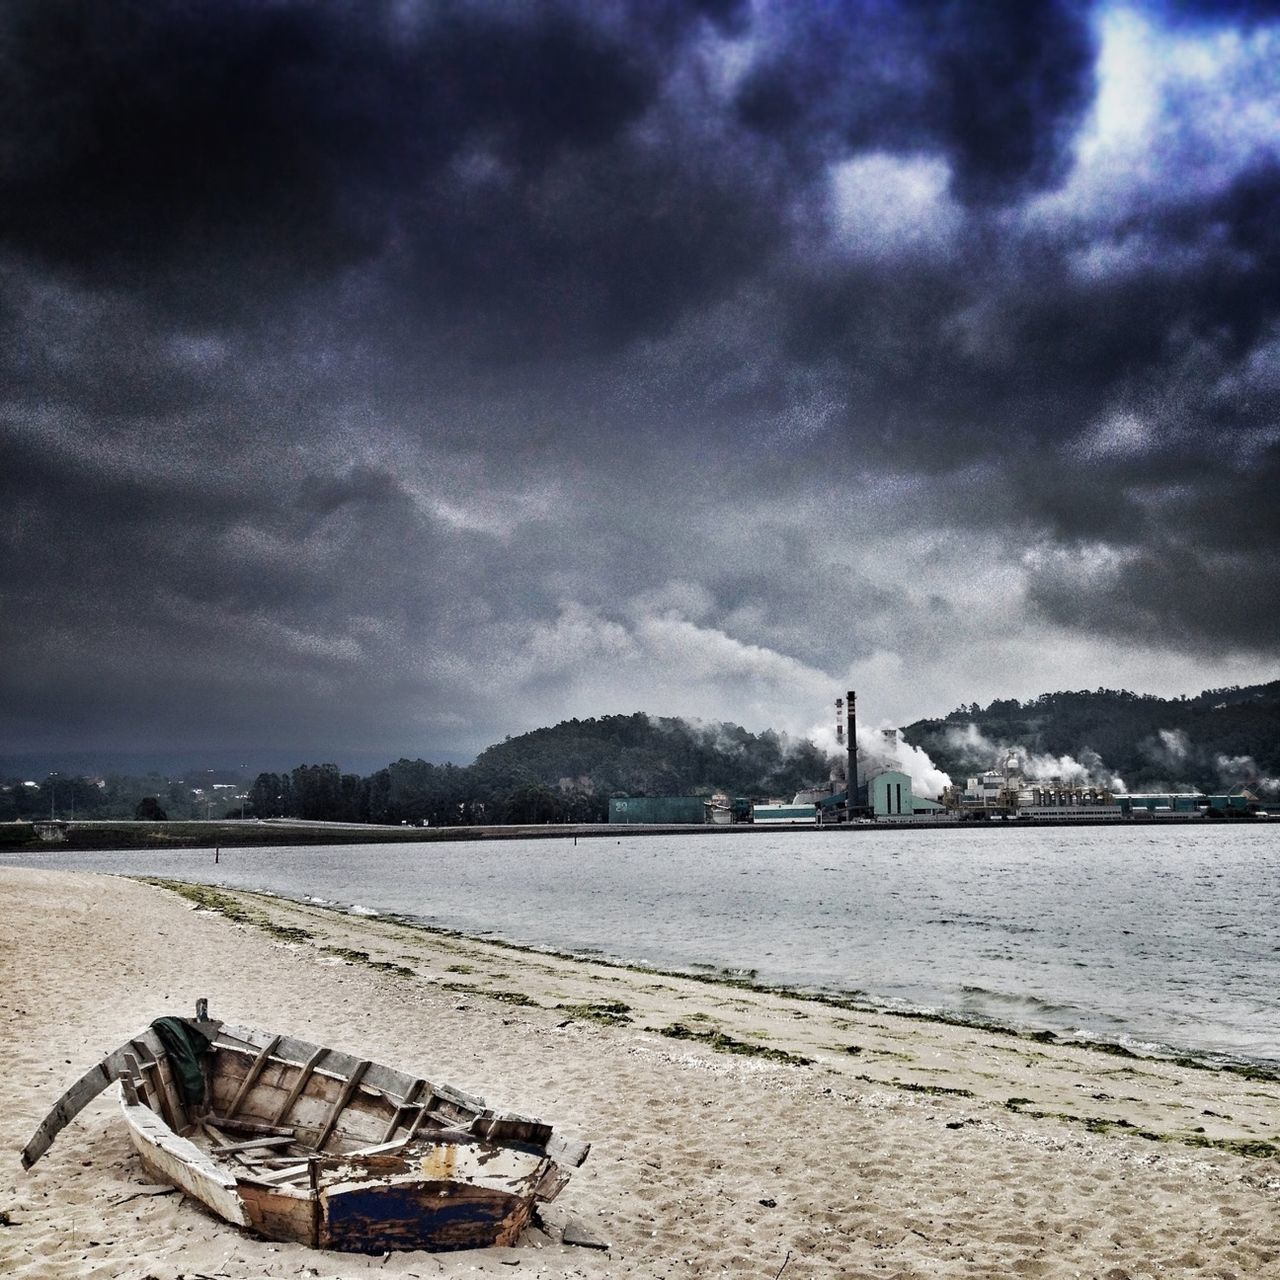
column 1166, row 938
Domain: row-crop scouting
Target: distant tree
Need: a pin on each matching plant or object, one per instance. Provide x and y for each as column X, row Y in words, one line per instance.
column 533, row 803
column 149, row 810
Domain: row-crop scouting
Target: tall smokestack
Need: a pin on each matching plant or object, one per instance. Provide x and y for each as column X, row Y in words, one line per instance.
column 851, row 729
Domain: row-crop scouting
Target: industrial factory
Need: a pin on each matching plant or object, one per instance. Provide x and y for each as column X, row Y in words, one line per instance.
column 865, row 788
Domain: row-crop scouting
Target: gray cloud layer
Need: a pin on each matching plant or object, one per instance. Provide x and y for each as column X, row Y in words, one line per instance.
column 403, row 375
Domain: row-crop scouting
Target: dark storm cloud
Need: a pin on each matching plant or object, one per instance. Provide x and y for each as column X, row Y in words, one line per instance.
column 998, row 88
column 383, row 364
column 216, row 155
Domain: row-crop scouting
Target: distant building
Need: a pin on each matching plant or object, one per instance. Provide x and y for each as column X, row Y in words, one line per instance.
column 889, row 795
column 658, row 810
column 784, row 815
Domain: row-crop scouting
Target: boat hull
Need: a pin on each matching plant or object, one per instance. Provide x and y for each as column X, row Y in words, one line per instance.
column 305, row 1144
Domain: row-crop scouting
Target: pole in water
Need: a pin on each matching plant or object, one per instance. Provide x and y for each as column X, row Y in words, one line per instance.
column 217, row 853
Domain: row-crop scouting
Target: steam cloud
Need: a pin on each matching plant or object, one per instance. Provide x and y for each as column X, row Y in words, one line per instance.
column 877, row 752
column 981, row 752
column 1174, row 750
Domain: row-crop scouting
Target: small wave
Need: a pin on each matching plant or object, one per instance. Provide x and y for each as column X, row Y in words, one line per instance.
column 1014, row 1000
column 358, row 910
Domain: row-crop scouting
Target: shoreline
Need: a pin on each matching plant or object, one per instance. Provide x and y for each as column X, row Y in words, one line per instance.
column 108, row 834
column 207, row 895
column 734, row 1131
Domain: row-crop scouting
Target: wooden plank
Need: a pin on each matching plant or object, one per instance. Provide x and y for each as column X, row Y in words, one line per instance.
column 281, row 1213
column 296, row 1170
column 254, row 1072
column 254, row 1128
column 128, row 1091
column 553, row 1181
column 304, row 1074
column 82, row 1092
column 254, row 1144
column 140, row 1085
column 174, row 1094
column 177, row 1160
column 384, row 1079
column 161, row 1102
column 379, row 1149
column 353, row 1081
column 568, row 1151
column 410, row 1099
column 512, row 1128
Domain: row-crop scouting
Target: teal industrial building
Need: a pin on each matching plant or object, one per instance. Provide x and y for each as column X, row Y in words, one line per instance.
column 658, row 810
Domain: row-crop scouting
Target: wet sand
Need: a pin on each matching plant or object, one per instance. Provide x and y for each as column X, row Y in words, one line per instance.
column 900, row 1148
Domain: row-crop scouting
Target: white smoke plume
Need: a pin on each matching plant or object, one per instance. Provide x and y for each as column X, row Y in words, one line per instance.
column 1235, row 770
column 981, row 752
column 1174, row 747
column 877, row 753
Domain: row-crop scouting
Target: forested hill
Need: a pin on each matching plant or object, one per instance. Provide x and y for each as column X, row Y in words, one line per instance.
column 653, row 755
column 564, row 773
column 1211, row 741
column 569, row 771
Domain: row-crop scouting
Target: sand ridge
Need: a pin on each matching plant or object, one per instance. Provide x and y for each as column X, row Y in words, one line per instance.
column 895, row 1152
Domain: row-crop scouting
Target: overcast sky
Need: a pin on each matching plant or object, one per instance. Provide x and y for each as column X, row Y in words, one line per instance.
column 389, row 378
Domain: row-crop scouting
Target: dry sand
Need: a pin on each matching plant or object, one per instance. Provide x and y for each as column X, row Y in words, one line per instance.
column 703, row 1163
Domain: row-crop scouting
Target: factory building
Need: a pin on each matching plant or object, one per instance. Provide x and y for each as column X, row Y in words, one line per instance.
column 777, row 814
column 888, row 794
column 1004, row 792
column 1184, row 803
column 658, row 810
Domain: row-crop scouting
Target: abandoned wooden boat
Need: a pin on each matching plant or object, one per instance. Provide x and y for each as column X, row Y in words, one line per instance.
column 304, row 1143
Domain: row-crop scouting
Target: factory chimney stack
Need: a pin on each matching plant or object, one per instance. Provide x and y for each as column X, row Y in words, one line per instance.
column 851, row 732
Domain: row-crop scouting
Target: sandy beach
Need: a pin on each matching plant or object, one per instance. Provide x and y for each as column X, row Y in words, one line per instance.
column 839, row 1144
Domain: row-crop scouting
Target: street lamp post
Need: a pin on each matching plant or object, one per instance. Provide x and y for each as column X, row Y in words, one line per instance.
column 52, row 792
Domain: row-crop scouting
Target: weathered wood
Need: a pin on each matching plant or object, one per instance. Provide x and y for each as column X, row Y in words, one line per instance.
column 84, row 1090
column 254, row 1072
column 254, row 1144
column 182, row 1120
column 304, row 1074
column 159, row 1097
column 128, row 1090
column 255, row 1127
column 167, row 1156
column 281, row 1213
column 286, row 1174
column 409, row 1103
column 449, row 1188
column 140, row 1084
column 382, row 1078
column 352, row 1083
column 378, row 1149
column 552, row 1183
column 224, row 1146
column 374, row 1217
column 511, row 1128
column 568, row 1151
